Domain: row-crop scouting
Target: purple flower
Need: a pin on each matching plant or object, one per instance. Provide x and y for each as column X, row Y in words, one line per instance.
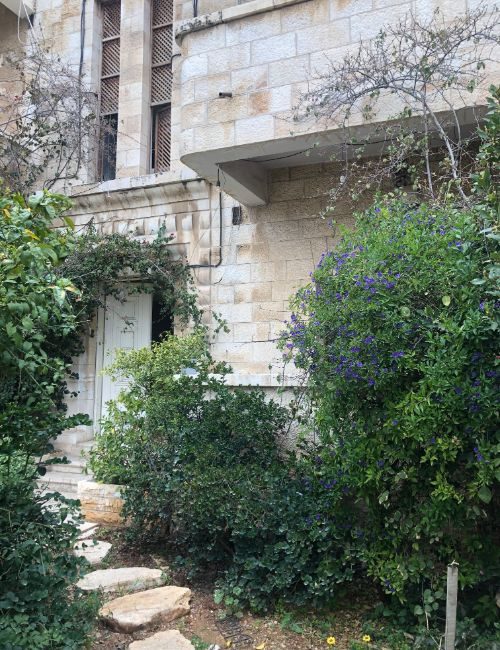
column 397, row 355
column 478, row 454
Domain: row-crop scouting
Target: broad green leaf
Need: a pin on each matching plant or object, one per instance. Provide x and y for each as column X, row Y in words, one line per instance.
column 485, row 494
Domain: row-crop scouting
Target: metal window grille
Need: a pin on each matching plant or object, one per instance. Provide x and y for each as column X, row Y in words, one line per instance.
column 111, row 15
column 161, row 85
column 110, row 62
column 163, row 12
column 161, row 82
column 161, row 139
column 110, row 87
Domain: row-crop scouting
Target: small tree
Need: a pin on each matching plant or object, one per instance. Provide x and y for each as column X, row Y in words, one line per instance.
column 47, row 122
column 429, row 69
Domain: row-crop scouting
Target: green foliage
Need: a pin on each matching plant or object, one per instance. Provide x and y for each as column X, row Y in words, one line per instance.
column 102, row 265
column 203, row 470
column 39, row 607
column 34, row 311
column 486, row 180
column 37, row 610
column 397, row 338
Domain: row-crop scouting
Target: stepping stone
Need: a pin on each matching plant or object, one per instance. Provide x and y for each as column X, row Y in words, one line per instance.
column 129, row 578
column 94, row 553
column 87, row 529
column 168, row 640
column 141, row 610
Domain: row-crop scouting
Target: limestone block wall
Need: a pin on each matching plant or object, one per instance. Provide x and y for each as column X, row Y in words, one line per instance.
column 249, row 279
column 188, row 209
column 265, row 259
column 267, row 53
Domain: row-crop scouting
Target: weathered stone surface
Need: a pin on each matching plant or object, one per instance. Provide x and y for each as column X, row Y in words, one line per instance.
column 168, row 640
column 87, row 529
column 141, row 610
column 93, row 552
column 101, row 502
column 128, row 578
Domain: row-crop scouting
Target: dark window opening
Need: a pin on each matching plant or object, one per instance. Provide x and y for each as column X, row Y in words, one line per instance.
column 161, row 323
column 109, row 131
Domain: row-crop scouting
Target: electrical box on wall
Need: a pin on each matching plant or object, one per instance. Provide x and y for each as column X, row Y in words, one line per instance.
column 237, row 215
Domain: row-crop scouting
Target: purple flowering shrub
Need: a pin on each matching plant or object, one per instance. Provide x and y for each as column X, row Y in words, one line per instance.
column 397, row 334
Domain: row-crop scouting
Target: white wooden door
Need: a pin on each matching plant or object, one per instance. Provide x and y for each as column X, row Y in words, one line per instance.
column 127, row 326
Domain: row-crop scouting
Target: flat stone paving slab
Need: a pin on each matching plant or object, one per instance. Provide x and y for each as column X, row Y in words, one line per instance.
column 87, row 529
column 145, row 608
column 94, row 553
column 128, row 578
column 168, row 640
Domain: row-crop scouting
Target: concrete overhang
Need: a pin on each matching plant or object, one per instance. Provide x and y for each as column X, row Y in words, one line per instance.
column 22, row 8
column 243, row 170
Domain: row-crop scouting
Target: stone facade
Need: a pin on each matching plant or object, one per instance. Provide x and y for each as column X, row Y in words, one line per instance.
column 264, row 53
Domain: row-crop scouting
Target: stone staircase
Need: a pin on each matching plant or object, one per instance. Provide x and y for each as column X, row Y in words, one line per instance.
column 64, row 478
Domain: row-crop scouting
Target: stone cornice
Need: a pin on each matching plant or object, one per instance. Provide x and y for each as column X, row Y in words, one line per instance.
column 228, row 15
column 125, row 194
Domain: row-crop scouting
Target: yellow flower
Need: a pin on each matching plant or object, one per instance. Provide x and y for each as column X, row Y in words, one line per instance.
column 367, row 638
column 331, row 640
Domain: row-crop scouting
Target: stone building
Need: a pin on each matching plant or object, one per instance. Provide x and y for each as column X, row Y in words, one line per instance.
column 197, row 97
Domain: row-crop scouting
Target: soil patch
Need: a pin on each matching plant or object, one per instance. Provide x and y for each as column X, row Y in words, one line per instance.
column 280, row 631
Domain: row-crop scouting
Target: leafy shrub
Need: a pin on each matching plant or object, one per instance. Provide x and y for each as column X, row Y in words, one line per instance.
column 37, row 608
column 204, row 471
column 396, row 332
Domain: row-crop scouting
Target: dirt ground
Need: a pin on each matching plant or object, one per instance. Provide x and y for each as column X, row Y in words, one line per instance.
column 283, row 631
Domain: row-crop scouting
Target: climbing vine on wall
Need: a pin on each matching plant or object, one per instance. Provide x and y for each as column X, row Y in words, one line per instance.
column 103, row 265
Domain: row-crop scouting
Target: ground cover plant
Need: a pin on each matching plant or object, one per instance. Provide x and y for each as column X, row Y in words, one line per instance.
column 38, row 606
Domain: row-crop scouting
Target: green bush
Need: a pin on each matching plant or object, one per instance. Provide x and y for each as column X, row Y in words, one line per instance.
column 38, row 606
column 203, row 470
column 397, row 332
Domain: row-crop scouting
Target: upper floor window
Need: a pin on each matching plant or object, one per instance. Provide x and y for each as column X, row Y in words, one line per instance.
column 161, row 83
column 110, row 86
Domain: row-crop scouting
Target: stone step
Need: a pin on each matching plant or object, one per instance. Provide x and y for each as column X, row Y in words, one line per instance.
column 74, row 466
column 93, row 551
column 167, row 640
column 73, row 448
column 64, row 482
column 127, row 578
column 87, row 529
column 146, row 608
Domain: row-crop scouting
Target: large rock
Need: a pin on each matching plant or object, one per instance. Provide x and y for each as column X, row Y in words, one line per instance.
column 93, row 552
column 141, row 610
column 129, row 578
column 168, row 640
column 101, row 502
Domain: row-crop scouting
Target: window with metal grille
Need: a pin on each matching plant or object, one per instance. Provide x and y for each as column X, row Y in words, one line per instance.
column 161, row 82
column 110, row 85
